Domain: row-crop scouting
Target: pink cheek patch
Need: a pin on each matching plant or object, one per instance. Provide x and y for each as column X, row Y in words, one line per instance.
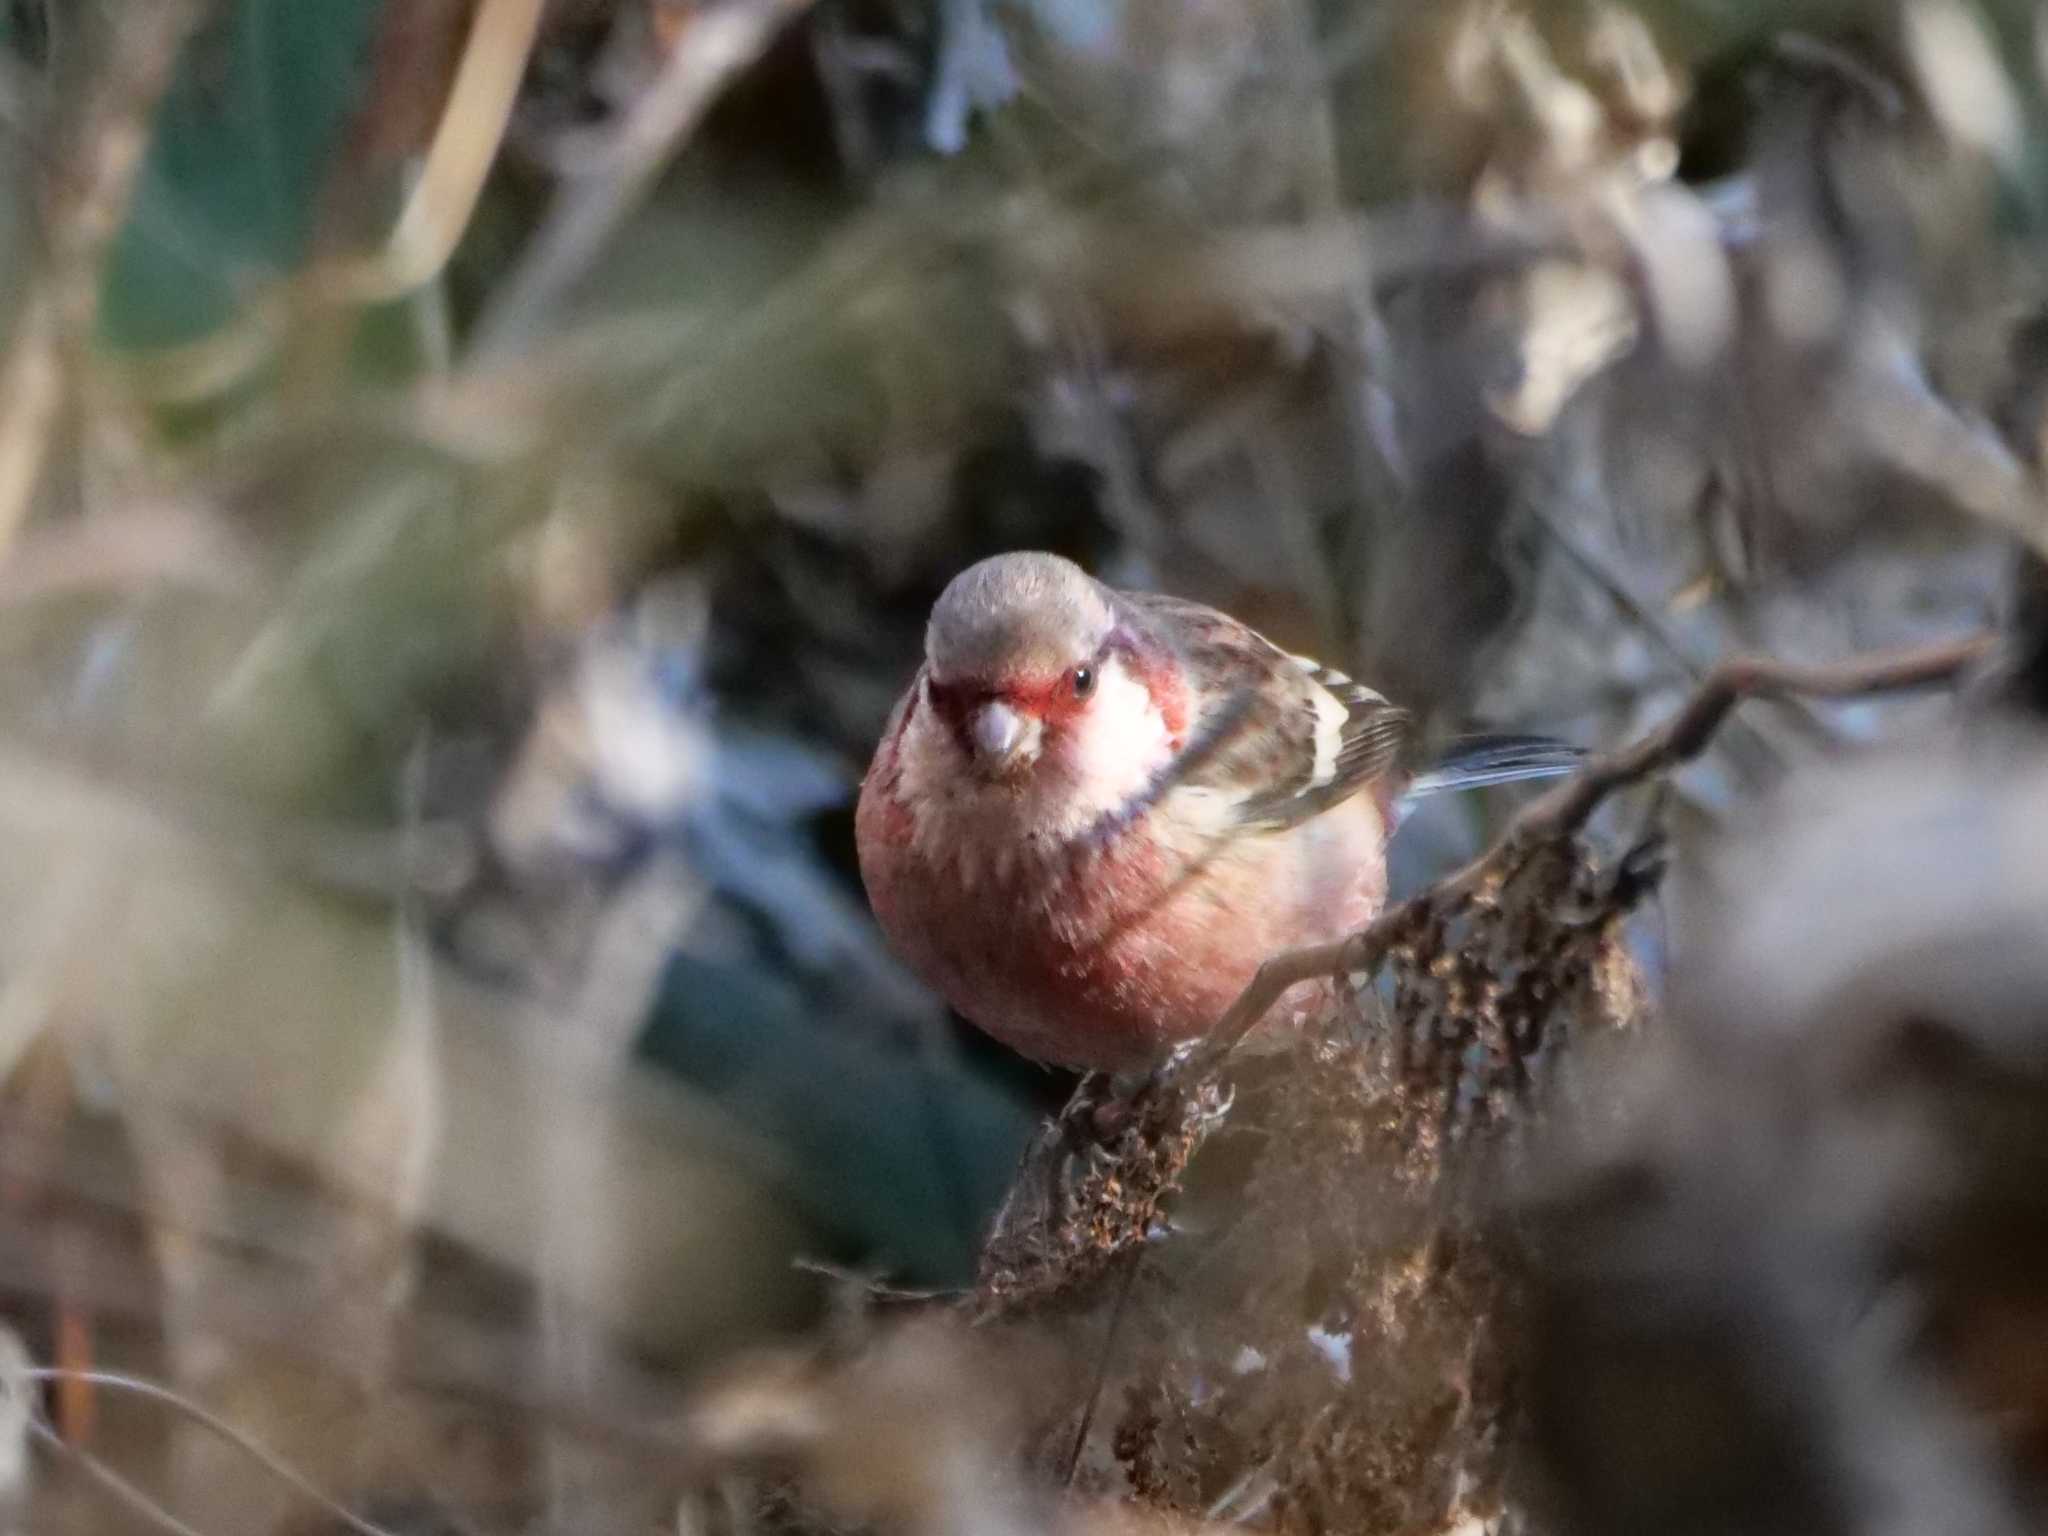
column 1168, row 693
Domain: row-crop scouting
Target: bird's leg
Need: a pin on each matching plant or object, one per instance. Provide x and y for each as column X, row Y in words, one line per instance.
column 1088, row 1124
column 1075, row 1114
column 1117, row 1138
column 1167, row 1079
column 1103, row 1109
column 1184, row 1089
column 1062, row 1142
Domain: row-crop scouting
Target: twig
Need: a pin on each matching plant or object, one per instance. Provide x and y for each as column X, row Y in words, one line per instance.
column 1637, row 611
column 1565, row 810
column 14, row 1382
column 1102, row 1364
column 88, row 196
column 718, row 42
column 439, row 209
column 137, row 1501
column 870, row 1287
column 465, row 146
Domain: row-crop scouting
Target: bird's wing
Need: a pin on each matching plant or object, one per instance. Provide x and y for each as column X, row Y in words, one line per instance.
column 1283, row 737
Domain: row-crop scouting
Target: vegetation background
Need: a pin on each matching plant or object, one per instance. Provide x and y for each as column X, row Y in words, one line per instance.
column 472, row 477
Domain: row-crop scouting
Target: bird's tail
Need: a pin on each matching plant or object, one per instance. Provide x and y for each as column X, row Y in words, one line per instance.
column 1472, row 762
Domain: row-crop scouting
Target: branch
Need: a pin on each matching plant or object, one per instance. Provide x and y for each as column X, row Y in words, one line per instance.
column 717, row 43
column 1565, row 810
column 91, row 181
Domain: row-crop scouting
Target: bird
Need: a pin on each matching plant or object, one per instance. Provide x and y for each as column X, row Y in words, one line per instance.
column 1095, row 812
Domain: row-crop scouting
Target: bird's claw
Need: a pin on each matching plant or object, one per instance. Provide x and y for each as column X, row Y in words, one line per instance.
column 1085, row 1135
column 1104, row 1109
column 1176, row 1069
column 1102, row 1127
column 1097, row 1115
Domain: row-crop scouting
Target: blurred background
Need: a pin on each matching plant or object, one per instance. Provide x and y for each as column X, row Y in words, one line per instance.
column 473, row 474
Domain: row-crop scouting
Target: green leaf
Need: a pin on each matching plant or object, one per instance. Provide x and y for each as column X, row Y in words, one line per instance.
column 230, row 193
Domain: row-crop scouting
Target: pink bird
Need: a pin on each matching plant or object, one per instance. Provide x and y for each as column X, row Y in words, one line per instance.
column 1096, row 812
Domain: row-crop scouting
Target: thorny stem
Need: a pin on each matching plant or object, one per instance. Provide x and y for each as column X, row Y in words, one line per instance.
column 1565, row 810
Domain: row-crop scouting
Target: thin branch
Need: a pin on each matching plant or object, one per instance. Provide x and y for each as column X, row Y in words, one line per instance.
column 871, row 1288
column 1102, row 1364
column 93, row 179
column 465, row 145
column 438, row 211
column 133, row 1498
column 716, row 44
column 264, row 1457
column 1638, row 611
column 1566, row 809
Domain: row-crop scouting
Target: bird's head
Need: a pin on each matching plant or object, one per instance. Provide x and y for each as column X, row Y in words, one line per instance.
column 1031, row 664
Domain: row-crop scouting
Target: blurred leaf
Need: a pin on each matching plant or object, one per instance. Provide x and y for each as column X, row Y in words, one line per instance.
column 901, row 1154
column 230, row 195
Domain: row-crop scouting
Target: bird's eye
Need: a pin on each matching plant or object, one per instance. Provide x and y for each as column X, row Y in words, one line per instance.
column 1082, row 680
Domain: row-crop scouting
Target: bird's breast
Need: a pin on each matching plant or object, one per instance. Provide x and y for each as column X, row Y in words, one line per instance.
column 1104, row 953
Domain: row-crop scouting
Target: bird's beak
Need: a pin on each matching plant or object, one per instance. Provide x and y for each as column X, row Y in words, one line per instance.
column 1000, row 733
